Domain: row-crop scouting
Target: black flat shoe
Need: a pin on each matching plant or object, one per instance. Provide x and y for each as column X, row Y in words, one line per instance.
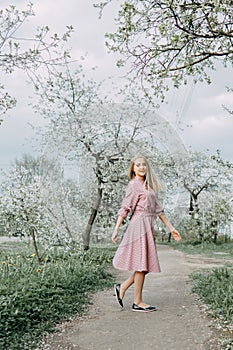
column 117, row 292
column 143, row 309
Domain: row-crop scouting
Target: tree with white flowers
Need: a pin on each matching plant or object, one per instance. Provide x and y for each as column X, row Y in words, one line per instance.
column 37, row 202
column 99, row 134
column 207, row 179
column 22, row 207
column 164, row 41
column 45, row 50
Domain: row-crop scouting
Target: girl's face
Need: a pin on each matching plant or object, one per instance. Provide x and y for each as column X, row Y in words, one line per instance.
column 140, row 168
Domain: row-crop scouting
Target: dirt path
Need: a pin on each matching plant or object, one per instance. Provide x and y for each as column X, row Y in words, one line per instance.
column 179, row 323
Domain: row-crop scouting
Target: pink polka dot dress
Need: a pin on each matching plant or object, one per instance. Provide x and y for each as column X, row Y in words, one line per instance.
column 137, row 250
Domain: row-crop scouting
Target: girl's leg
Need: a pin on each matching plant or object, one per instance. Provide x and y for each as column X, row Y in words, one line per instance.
column 126, row 284
column 139, row 281
column 139, row 278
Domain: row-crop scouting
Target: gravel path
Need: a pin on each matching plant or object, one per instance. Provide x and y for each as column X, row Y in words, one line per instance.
column 179, row 323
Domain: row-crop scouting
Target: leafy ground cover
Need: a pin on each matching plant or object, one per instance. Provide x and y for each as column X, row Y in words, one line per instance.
column 215, row 287
column 33, row 298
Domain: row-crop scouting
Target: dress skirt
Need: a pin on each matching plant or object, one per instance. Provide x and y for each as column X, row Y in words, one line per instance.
column 137, row 250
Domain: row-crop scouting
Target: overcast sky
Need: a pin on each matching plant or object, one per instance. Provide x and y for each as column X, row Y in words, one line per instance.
column 204, row 122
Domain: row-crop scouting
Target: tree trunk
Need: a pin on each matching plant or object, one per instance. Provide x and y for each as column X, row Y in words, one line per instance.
column 94, row 211
column 66, row 225
column 169, row 237
column 35, row 245
column 191, row 209
column 193, row 205
column 214, row 229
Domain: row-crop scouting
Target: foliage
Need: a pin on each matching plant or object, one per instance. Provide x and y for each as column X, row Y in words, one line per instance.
column 215, row 217
column 172, row 39
column 28, row 54
column 34, row 298
column 36, row 198
column 202, row 171
column 216, row 290
column 213, row 222
column 207, row 179
column 21, row 204
column 22, row 208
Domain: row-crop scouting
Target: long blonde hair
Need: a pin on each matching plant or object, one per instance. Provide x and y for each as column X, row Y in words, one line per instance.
column 151, row 178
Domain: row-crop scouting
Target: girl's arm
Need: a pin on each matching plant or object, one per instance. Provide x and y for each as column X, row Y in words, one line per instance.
column 173, row 231
column 115, row 237
column 128, row 205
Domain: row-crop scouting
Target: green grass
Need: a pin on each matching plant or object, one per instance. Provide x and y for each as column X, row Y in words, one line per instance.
column 208, row 249
column 33, row 298
column 215, row 287
column 216, row 290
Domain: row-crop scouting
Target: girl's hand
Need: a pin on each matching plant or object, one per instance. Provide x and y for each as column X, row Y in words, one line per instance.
column 115, row 237
column 176, row 235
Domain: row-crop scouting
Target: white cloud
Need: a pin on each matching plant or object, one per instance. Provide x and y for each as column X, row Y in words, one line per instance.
column 211, row 132
column 213, row 123
column 225, row 99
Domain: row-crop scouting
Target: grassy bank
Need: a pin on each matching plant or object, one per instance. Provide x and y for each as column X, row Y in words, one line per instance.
column 215, row 287
column 33, row 298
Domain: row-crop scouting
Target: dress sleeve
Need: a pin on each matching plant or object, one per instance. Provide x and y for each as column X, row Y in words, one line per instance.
column 158, row 208
column 130, row 201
